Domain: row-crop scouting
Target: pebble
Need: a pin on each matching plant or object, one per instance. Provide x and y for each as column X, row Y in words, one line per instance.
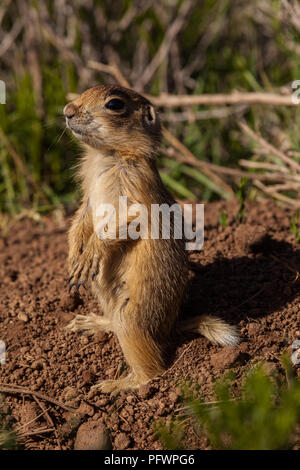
column 92, row 436
column 23, row 317
column 85, row 409
column 145, row 391
column 226, row 358
column 122, row 441
column 37, row 364
column 70, row 393
column 87, row 377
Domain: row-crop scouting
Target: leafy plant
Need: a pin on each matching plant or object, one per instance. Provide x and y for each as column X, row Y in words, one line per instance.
column 241, row 196
column 223, row 218
column 264, row 416
column 7, row 435
column 294, row 224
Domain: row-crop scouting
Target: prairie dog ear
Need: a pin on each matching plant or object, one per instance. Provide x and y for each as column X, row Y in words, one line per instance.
column 150, row 114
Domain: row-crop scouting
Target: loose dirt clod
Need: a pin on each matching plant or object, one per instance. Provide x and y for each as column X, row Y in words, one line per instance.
column 228, row 357
column 122, row 441
column 92, row 436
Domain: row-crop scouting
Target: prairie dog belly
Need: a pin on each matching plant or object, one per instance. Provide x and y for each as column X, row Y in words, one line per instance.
column 110, row 286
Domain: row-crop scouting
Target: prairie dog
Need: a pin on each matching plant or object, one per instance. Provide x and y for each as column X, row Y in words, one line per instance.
column 139, row 283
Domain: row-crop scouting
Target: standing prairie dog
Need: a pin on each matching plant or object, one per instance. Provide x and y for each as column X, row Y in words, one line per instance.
column 139, row 283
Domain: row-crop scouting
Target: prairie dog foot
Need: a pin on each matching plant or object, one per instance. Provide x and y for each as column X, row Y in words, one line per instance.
column 89, row 324
column 130, row 382
column 88, row 264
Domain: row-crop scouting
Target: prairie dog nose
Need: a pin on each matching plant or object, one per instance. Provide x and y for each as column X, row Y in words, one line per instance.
column 70, row 110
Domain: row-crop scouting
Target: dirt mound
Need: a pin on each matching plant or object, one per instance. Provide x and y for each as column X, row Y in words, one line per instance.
column 246, row 273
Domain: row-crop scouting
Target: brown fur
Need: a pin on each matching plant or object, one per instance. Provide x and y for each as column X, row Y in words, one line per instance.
column 139, row 283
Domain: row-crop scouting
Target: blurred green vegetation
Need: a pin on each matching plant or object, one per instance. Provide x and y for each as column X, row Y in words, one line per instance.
column 224, row 45
column 8, row 438
column 263, row 415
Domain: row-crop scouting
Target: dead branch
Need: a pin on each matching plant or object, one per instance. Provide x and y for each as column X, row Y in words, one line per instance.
column 49, row 420
column 192, row 116
column 263, row 166
column 164, row 48
column 11, row 36
column 111, row 70
column 36, row 432
column 249, row 98
column 234, row 172
column 280, row 197
column 189, row 156
column 16, row 390
column 270, row 148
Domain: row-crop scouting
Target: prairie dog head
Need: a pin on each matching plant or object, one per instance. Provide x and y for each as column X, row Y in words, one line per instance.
column 114, row 118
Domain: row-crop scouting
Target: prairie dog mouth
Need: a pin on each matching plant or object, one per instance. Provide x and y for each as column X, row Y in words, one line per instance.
column 73, row 127
column 77, row 133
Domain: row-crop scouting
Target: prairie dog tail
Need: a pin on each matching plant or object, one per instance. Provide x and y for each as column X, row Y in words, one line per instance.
column 213, row 328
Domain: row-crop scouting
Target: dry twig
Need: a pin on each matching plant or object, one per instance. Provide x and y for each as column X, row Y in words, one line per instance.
column 16, row 390
column 235, row 98
column 270, row 148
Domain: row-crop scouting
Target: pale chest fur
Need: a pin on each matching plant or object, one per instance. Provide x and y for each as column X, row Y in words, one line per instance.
column 101, row 183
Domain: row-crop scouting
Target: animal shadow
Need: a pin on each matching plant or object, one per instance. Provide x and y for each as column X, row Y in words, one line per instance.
column 248, row 287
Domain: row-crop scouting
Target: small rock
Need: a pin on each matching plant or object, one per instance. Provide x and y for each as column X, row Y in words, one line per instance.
column 110, row 372
column 92, row 436
column 70, row 302
column 69, row 427
column 102, row 402
column 122, row 441
column 253, row 328
column 84, row 340
column 125, row 427
column 244, row 347
column 161, row 409
column 70, row 393
column 100, row 337
column 145, row 391
column 114, row 418
column 87, row 377
column 23, row 317
column 227, row 357
column 85, row 409
column 173, row 397
column 130, row 399
column 37, row 364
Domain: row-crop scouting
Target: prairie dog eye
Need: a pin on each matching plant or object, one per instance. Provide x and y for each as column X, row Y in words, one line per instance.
column 115, row 104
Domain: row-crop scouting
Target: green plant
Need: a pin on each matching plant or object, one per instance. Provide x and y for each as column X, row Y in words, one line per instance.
column 294, row 225
column 241, row 196
column 7, row 435
column 7, row 440
column 223, row 217
column 264, row 416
